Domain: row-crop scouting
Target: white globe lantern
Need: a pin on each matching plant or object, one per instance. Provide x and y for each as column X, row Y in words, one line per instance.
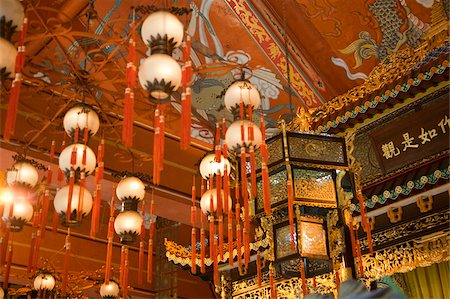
column 209, row 166
column 130, row 188
column 160, row 75
column 13, row 14
column 162, row 32
column 22, row 212
column 61, row 200
column 44, row 281
column 109, row 290
column 81, row 116
column 66, row 155
column 7, row 59
column 22, row 173
column 128, row 226
column 234, row 139
column 205, row 201
column 241, row 90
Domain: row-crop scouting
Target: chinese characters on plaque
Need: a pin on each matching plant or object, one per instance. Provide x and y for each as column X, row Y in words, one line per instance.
column 418, row 135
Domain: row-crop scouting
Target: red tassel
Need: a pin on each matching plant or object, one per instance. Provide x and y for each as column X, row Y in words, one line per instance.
column 219, row 194
column 226, row 191
column 360, row 262
column 291, row 212
column 156, row 148
column 258, row 268
column 161, row 137
column 246, row 230
column 8, row 268
column 122, row 266
column 230, row 239
column 150, row 261
column 12, row 107
column 266, row 188
column 239, row 245
column 141, row 263
column 273, row 288
column 186, row 112
column 211, row 236
column 202, row 250
column 253, row 171
column 66, row 265
column 69, row 199
column 76, row 134
column 193, row 251
column 31, row 253
column 314, row 282
column 303, row 277
column 215, row 263
column 108, row 259
column 221, row 238
column 55, row 221
column 81, row 196
column 125, row 276
column 127, row 129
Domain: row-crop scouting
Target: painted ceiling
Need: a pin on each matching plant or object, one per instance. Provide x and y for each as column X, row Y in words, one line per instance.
column 332, row 47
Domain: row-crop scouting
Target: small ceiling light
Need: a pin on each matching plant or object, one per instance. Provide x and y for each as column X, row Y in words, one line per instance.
column 234, row 139
column 82, row 202
column 205, row 201
column 209, row 166
column 22, row 173
column 162, row 32
column 128, row 226
column 66, row 156
column 81, row 116
column 160, row 75
column 22, row 212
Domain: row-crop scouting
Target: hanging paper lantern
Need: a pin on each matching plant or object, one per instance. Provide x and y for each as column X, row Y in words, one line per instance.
column 128, row 226
column 130, row 188
column 241, row 91
column 160, row 75
column 81, row 116
column 109, row 290
column 11, row 18
column 162, row 32
column 209, row 166
column 65, row 159
column 61, row 203
column 7, row 59
column 44, row 280
column 22, row 173
column 234, row 139
column 22, row 212
column 205, row 201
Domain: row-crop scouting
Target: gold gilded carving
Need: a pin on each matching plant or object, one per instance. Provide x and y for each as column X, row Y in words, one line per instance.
column 425, row 204
column 395, row 214
column 286, row 288
column 314, row 188
column 406, row 257
column 302, row 123
column 309, row 149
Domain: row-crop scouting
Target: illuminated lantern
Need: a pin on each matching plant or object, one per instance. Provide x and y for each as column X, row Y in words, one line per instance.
column 66, row 156
column 130, row 188
column 160, row 75
column 82, row 117
column 61, row 202
column 205, row 201
column 7, row 59
column 233, row 135
column 162, row 32
column 44, row 281
column 22, row 212
column 128, row 226
column 241, row 91
column 209, row 166
column 22, row 173
column 109, row 290
column 11, row 15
